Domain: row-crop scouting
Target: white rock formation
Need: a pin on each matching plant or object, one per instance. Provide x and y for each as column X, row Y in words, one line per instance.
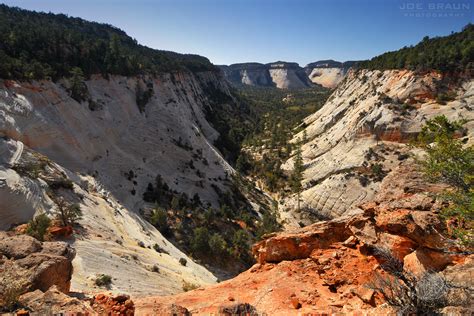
column 282, row 75
column 287, row 78
column 109, row 236
column 327, row 77
column 117, row 138
column 366, row 121
column 111, row 151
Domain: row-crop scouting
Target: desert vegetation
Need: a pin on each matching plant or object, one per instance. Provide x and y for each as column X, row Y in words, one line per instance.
column 279, row 115
column 449, row 161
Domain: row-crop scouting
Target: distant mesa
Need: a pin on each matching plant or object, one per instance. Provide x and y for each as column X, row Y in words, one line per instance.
column 287, row 75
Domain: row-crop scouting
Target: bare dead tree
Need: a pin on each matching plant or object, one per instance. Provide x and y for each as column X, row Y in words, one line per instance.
column 409, row 294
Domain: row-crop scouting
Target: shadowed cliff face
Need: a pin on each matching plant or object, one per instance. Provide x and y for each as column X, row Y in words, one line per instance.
column 328, row 73
column 363, row 132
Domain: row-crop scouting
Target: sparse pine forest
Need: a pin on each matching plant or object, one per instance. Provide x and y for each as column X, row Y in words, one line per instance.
column 44, row 45
column 454, row 53
column 280, row 114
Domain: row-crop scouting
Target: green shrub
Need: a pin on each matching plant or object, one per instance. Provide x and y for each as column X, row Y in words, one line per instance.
column 183, row 261
column 68, row 213
column 77, row 87
column 61, row 183
column 450, row 162
column 218, row 245
column 377, row 171
column 188, row 286
column 103, row 280
column 159, row 249
column 38, row 226
column 31, row 169
column 269, row 224
column 240, row 240
column 200, row 241
column 443, row 98
column 159, row 219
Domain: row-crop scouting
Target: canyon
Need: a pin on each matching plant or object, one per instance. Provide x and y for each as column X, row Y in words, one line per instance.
column 138, row 174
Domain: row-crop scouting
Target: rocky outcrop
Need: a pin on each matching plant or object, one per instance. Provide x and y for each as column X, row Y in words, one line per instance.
column 298, row 244
column 330, row 266
column 288, row 75
column 53, row 302
column 361, row 135
column 28, row 265
column 113, row 305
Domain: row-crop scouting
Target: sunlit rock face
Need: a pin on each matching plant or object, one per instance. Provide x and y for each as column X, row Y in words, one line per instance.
column 111, row 148
column 362, row 133
column 111, row 138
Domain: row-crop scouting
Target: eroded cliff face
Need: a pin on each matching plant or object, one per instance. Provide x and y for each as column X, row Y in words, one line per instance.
column 327, row 77
column 361, row 134
column 109, row 137
column 111, row 147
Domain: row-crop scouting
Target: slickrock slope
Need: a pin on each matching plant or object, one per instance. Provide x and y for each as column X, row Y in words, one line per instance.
column 327, row 267
column 361, row 134
column 111, row 239
column 111, row 148
column 111, row 138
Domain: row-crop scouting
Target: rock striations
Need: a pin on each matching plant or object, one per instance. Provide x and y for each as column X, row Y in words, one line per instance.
column 362, row 134
column 110, row 149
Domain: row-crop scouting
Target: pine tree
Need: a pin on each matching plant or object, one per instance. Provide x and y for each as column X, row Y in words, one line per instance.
column 78, row 88
column 297, row 175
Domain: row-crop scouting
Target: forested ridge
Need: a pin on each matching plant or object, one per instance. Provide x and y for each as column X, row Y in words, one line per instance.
column 445, row 54
column 36, row 45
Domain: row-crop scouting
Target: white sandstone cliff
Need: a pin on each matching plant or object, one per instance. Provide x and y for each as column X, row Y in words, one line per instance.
column 111, row 151
column 366, row 124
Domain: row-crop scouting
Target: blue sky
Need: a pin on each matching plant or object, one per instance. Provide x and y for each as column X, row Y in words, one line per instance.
column 232, row 31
